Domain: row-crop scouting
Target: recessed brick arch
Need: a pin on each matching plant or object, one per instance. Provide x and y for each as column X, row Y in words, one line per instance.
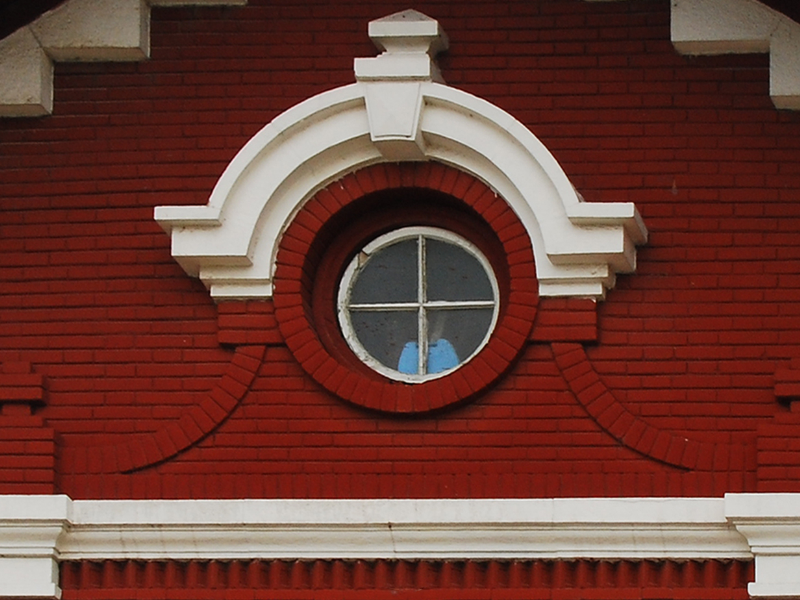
column 634, row 432
column 334, row 370
column 139, row 451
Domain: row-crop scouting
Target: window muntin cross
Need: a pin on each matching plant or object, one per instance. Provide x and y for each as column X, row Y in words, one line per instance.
column 417, row 303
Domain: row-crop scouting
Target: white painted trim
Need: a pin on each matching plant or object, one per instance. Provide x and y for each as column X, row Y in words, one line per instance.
column 771, row 524
column 231, row 243
column 411, row 529
column 37, row 531
column 30, row 528
column 421, row 305
column 77, row 30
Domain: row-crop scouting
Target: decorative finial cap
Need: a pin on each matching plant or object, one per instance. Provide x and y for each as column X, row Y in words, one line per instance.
column 408, row 31
column 409, row 41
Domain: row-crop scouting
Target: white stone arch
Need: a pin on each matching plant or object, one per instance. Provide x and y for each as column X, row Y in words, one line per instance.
column 397, row 110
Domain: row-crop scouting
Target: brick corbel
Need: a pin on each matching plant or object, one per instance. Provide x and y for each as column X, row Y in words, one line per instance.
column 27, row 458
column 787, row 383
column 21, row 390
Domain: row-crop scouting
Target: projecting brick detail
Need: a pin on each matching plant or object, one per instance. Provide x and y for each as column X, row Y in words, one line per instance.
column 27, row 444
column 295, row 272
column 418, row 580
column 27, row 455
column 20, row 386
column 633, row 432
column 779, row 454
column 787, row 382
column 197, row 421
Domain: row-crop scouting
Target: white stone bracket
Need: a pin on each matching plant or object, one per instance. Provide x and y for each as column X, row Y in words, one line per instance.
column 77, row 30
column 741, row 27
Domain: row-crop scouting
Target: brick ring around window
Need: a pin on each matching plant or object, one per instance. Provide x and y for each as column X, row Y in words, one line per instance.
column 339, row 220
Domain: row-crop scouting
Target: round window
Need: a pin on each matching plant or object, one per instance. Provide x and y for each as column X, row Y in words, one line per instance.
column 417, row 303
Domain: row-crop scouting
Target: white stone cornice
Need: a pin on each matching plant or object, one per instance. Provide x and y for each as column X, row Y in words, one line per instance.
column 410, row 529
column 38, row 531
column 77, row 30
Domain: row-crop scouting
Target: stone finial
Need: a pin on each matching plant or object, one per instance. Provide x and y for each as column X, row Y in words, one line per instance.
column 408, row 31
column 409, row 42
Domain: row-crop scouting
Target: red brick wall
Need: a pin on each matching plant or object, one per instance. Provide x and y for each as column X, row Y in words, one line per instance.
column 195, row 400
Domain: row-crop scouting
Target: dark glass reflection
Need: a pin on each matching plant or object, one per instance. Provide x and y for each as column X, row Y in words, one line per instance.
column 463, row 328
column 384, row 334
column 389, row 275
column 454, row 274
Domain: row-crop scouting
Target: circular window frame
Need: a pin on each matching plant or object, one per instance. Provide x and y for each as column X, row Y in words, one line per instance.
column 334, row 223
column 421, row 305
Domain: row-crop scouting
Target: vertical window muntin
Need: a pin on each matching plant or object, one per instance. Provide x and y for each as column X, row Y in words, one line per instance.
column 422, row 306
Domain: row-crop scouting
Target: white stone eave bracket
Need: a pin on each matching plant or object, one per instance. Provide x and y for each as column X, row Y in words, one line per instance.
column 38, row 531
column 77, row 30
column 742, row 27
column 398, row 110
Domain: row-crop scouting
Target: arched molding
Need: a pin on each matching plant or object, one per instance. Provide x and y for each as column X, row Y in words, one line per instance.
column 397, row 111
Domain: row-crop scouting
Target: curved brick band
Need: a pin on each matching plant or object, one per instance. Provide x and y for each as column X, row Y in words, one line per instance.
column 140, row 451
column 632, row 432
column 375, row 392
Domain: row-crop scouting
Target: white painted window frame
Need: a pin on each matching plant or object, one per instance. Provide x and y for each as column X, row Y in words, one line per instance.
column 421, row 305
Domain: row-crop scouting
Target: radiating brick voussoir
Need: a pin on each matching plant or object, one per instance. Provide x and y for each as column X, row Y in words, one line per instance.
column 633, row 432
column 145, row 450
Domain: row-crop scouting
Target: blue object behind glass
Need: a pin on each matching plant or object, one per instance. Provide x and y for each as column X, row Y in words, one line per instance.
column 441, row 356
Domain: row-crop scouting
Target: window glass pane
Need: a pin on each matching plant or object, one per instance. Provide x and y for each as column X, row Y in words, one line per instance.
column 385, row 335
column 389, row 275
column 454, row 274
column 454, row 334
